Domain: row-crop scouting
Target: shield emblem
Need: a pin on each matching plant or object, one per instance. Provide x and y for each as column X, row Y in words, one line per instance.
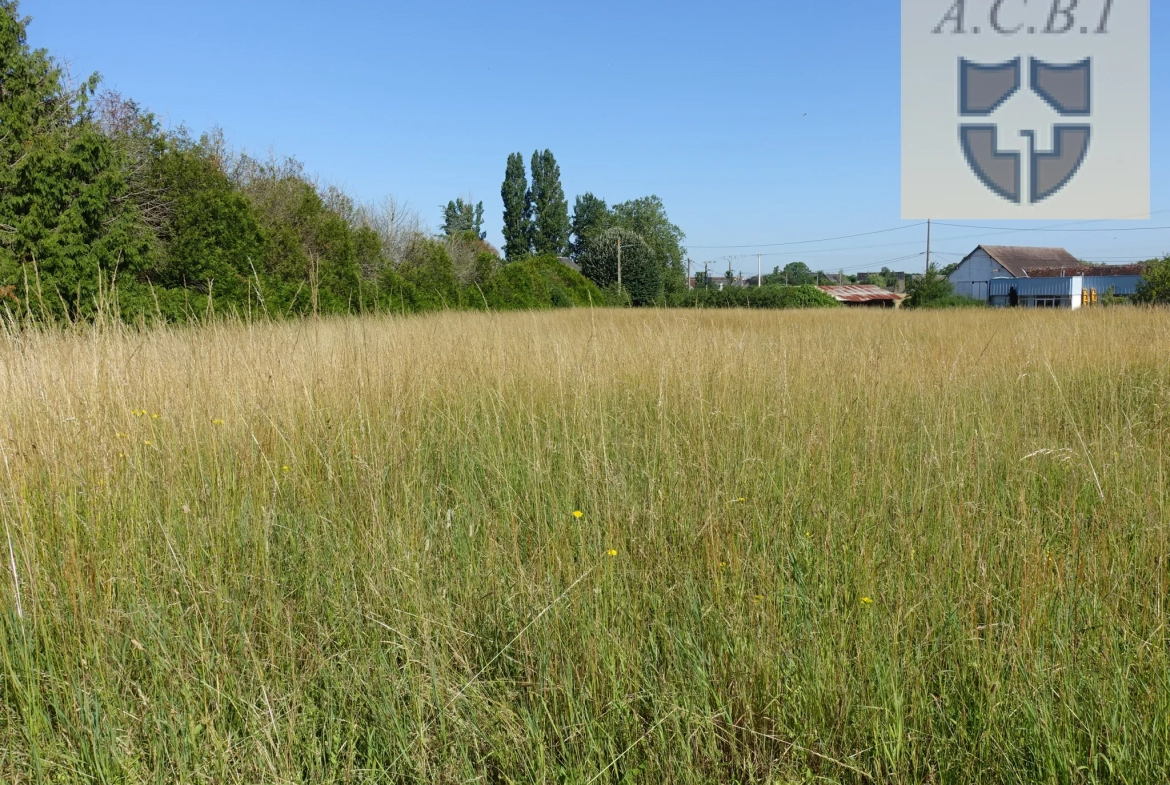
column 984, row 88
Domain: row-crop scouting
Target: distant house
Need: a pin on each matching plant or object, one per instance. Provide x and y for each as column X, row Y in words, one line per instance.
column 567, row 262
column 864, row 296
column 1008, row 276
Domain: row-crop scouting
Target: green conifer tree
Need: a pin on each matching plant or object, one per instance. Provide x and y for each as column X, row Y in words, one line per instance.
column 461, row 217
column 65, row 223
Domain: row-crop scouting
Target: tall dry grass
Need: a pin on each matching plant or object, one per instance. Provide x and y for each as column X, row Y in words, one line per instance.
column 850, row 547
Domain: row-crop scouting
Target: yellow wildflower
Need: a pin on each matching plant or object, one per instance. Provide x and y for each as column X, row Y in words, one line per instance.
column 866, row 601
column 578, row 514
column 155, row 416
column 286, row 468
column 217, row 422
column 612, row 553
column 148, row 443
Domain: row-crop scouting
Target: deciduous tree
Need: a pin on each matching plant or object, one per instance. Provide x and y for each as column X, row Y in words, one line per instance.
column 590, row 216
column 641, row 275
column 647, row 218
column 1155, row 285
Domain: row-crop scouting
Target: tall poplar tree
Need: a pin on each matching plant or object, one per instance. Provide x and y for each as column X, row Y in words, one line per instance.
column 551, row 209
column 517, row 210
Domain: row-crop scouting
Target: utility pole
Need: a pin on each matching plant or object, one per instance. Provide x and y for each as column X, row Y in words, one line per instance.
column 619, row 264
column 759, row 270
column 928, row 245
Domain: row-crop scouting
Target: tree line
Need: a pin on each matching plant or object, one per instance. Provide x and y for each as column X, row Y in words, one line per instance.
column 634, row 241
column 104, row 209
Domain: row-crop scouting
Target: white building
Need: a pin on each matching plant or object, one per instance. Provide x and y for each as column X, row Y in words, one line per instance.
column 986, row 263
column 1008, row 277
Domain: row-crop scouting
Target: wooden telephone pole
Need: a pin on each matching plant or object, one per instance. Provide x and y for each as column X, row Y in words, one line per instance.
column 928, row 245
column 619, row 264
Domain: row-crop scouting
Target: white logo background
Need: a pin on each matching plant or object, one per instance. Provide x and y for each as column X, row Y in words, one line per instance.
column 1113, row 181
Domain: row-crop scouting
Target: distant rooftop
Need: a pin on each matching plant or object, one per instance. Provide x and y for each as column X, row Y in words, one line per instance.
column 1018, row 260
column 861, row 293
column 1103, row 270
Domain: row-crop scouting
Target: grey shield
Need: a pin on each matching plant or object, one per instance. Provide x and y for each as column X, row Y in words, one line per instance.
column 999, row 171
column 984, row 88
column 1066, row 88
column 1052, row 171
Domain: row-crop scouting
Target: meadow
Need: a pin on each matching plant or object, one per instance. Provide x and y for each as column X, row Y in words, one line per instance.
column 588, row 546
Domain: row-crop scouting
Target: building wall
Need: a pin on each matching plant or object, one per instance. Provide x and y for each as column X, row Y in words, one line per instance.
column 974, row 275
column 1122, row 285
column 1039, row 292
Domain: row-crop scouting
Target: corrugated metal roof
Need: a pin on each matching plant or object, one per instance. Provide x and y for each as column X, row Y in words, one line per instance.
column 1018, row 260
column 1097, row 271
column 861, row 293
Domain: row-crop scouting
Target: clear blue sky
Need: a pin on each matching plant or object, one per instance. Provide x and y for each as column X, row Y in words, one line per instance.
column 756, row 122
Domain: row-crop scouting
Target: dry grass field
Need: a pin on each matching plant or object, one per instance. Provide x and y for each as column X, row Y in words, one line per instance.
column 812, row 547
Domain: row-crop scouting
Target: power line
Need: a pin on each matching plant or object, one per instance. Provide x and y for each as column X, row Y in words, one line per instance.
column 982, row 229
column 1018, row 229
column 853, row 248
column 806, row 242
column 1003, row 229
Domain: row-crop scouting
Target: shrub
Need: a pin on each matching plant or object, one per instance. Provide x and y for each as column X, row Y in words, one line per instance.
column 431, row 275
column 933, row 290
column 950, row 301
column 543, row 282
column 766, row 296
